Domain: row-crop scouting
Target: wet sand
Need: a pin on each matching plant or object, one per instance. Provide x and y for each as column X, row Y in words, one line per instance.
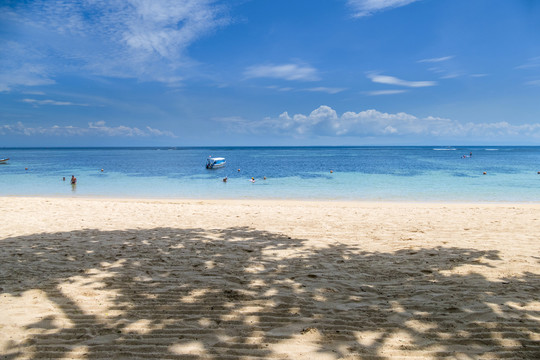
column 252, row 279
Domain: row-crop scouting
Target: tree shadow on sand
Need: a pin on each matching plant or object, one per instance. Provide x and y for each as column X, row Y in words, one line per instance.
column 240, row 293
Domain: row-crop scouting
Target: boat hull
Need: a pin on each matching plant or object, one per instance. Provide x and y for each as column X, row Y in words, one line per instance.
column 217, row 166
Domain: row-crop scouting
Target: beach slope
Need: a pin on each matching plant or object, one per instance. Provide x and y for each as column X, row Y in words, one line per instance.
column 249, row 279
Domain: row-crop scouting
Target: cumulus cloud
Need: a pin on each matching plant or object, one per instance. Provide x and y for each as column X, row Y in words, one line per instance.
column 325, row 121
column 132, row 38
column 283, row 71
column 98, row 128
column 391, row 80
column 369, row 7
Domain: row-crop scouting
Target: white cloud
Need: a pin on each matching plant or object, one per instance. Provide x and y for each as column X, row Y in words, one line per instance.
column 436, row 60
column 98, row 128
column 328, row 90
column 324, row 121
column 452, row 75
column 323, row 89
column 23, row 66
column 133, row 38
column 368, row 7
column 391, row 80
column 384, row 92
column 436, row 69
column 33, row 92
column 51, row 102
column 531, row 63
column 283, row 71
column 441, row 67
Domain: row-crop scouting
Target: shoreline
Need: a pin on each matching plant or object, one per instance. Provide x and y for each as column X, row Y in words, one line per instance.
column 355, row 202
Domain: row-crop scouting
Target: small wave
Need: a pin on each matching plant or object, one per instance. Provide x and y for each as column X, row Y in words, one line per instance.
column 491, row 149
column 444, row 149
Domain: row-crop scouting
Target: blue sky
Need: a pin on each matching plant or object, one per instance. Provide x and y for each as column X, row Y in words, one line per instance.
column 269, row 72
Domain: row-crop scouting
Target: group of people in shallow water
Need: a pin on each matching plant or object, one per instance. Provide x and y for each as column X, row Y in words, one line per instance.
column 252, row 179
column 73, row 180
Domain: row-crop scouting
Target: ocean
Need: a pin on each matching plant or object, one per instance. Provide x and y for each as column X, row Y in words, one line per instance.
column 418, row 174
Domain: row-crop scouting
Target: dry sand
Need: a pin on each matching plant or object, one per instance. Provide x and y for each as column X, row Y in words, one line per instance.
column 112, row 279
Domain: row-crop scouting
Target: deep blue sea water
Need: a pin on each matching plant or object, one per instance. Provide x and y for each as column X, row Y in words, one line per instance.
column 358, row 173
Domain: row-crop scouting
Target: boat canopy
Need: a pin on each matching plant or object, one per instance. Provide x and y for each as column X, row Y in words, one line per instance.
column 215, row 162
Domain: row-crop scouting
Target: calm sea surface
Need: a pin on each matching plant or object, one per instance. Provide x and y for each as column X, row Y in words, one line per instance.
column 358, row 173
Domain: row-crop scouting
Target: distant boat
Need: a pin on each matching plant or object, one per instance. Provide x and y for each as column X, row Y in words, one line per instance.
column 3, row 161
column 214, row 163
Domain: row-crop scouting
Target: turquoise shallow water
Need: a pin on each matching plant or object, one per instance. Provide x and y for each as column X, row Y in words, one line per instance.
column 358, row 173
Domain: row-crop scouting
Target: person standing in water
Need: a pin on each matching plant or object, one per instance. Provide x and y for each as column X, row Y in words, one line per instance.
column 73, row 180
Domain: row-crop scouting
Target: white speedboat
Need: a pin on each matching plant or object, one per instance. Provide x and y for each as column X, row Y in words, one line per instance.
column 214, row 163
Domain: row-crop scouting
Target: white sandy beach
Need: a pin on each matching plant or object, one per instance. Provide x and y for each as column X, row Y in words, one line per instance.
column 251, row 279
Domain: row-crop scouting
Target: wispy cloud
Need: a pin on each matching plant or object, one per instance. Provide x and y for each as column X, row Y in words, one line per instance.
column 391, row 80
column 452, row 75
column 369, row 7
column 283, row 71
column 325, row 121
column 51, row 102
column 443, row 67
column 136, row 39
column 530, row 63
column 533, row 82
column 280, row 88
column 323, row 89
column 24, row 66
column 436, row 60
column 33, row 92
column 98, row 128
column 384, row 92
column 328, row 90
